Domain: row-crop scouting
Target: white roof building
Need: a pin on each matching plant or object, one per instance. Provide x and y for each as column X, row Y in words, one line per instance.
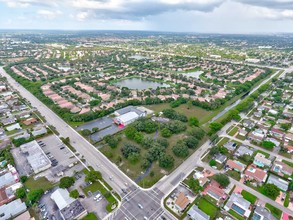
column 12, row 209
column 127, row 118
column 61, row 198
column 36, row 156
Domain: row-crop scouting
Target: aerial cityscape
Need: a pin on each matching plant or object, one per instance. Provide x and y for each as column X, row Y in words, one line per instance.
column 146, row 110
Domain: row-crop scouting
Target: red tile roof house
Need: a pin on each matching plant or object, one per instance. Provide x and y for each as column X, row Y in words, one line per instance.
column 236, row 165
column 29, row 121
column 215, row 191
column 281, row 168
column 257, row 174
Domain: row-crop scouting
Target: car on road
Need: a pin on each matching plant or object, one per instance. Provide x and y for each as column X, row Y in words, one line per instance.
column 124, row 190
column 140, row 206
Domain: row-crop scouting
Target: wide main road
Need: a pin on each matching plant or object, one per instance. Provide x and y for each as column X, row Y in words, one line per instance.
column 93, row 157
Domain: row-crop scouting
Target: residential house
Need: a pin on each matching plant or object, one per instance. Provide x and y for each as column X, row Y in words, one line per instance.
column 230, row 146
column 277, row 133
column 181, row 202
column 200, row 177
column 220, row 158
column 12, row 209
column 235, row 165
column 242, row 132
column 261, row 213
column 280, row 183
column 195, row 213
column 29, row 121
column 13, row 127
column 261, row 161
column 280, row 167
column 247, row 123
column 243, row 150
column 215, row 191
column 255, row 173
column 239, row 205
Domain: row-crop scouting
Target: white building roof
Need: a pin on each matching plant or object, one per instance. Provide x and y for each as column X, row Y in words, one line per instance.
column 61, row 198
column 127, row 117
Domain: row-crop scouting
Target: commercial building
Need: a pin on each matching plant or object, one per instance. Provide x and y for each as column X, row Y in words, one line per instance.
column 69, row 208
column 128, row 115
column 36, row 156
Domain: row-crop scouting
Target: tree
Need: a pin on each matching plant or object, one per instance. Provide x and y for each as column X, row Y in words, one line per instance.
column 66, row 182
column 193, row 121
column 111, row 141
column 180, row 149
column 23, row 179
column 74, row 194
column 165, row 132
column 222, row 179
column 166, row 161
column 138, row 137
column 93, row 176
column 271, row 190
column 268, row 145
column 85, row 132
column 128, row 149
column 286, row 127
column 191, row 142
column 133, row 157
column 194, row 185
column 34, row 195
column 163, row 142
column 130, row 132
column 198, row 133
column 20, row 193
column 213, row 163
column 215, row 126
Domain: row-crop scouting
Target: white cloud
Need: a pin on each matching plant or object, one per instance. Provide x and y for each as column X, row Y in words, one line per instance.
column 49, row 14
column 83, row 15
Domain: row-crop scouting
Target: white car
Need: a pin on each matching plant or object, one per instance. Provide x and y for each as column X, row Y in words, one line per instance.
column 99, row 199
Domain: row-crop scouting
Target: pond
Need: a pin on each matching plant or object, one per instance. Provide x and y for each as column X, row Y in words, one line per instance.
column 138, row 57
column 140, row 84
column 194, row 74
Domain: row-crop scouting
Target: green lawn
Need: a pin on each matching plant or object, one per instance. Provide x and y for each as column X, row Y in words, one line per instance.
column 223, row 141
column 240, row 137
column 288, row 163
column 90, row 216
column 94, row 187
column 275, row 211
column 236, row 215
column 233, row 131
column 40, row 183
column 248, row 196
column 207, row 207
column 234, row 174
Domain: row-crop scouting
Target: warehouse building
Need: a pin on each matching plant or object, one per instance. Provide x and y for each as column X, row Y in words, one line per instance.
column 36, row 156
column 129, row 114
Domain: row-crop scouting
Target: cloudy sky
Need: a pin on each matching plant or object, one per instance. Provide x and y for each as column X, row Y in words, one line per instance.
column 213, row 16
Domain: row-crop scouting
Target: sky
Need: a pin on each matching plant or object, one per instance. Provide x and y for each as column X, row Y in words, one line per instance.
column 200, row 16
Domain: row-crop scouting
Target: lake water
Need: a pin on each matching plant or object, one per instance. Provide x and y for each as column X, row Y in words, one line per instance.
column 138, row 57
column 194, row 74
column 140, row 84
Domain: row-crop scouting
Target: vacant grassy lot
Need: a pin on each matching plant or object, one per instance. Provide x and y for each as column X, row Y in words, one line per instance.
column 275, row 211
column 248, row 196
column 40, row 183
column 234, row 174
column 200, row 113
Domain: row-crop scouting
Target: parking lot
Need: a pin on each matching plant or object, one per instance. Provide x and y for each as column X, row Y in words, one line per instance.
column 63, row 161
column 107, row 131
column 48, row 207
column 100, row 123
column 89, row 203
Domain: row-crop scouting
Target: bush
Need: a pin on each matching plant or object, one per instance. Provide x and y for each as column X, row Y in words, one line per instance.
column 193, row 121
column 213, row 163
column 166, row 133
column 268, row 145
column 23, row 179
column 128, row 149
column 166, row 161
